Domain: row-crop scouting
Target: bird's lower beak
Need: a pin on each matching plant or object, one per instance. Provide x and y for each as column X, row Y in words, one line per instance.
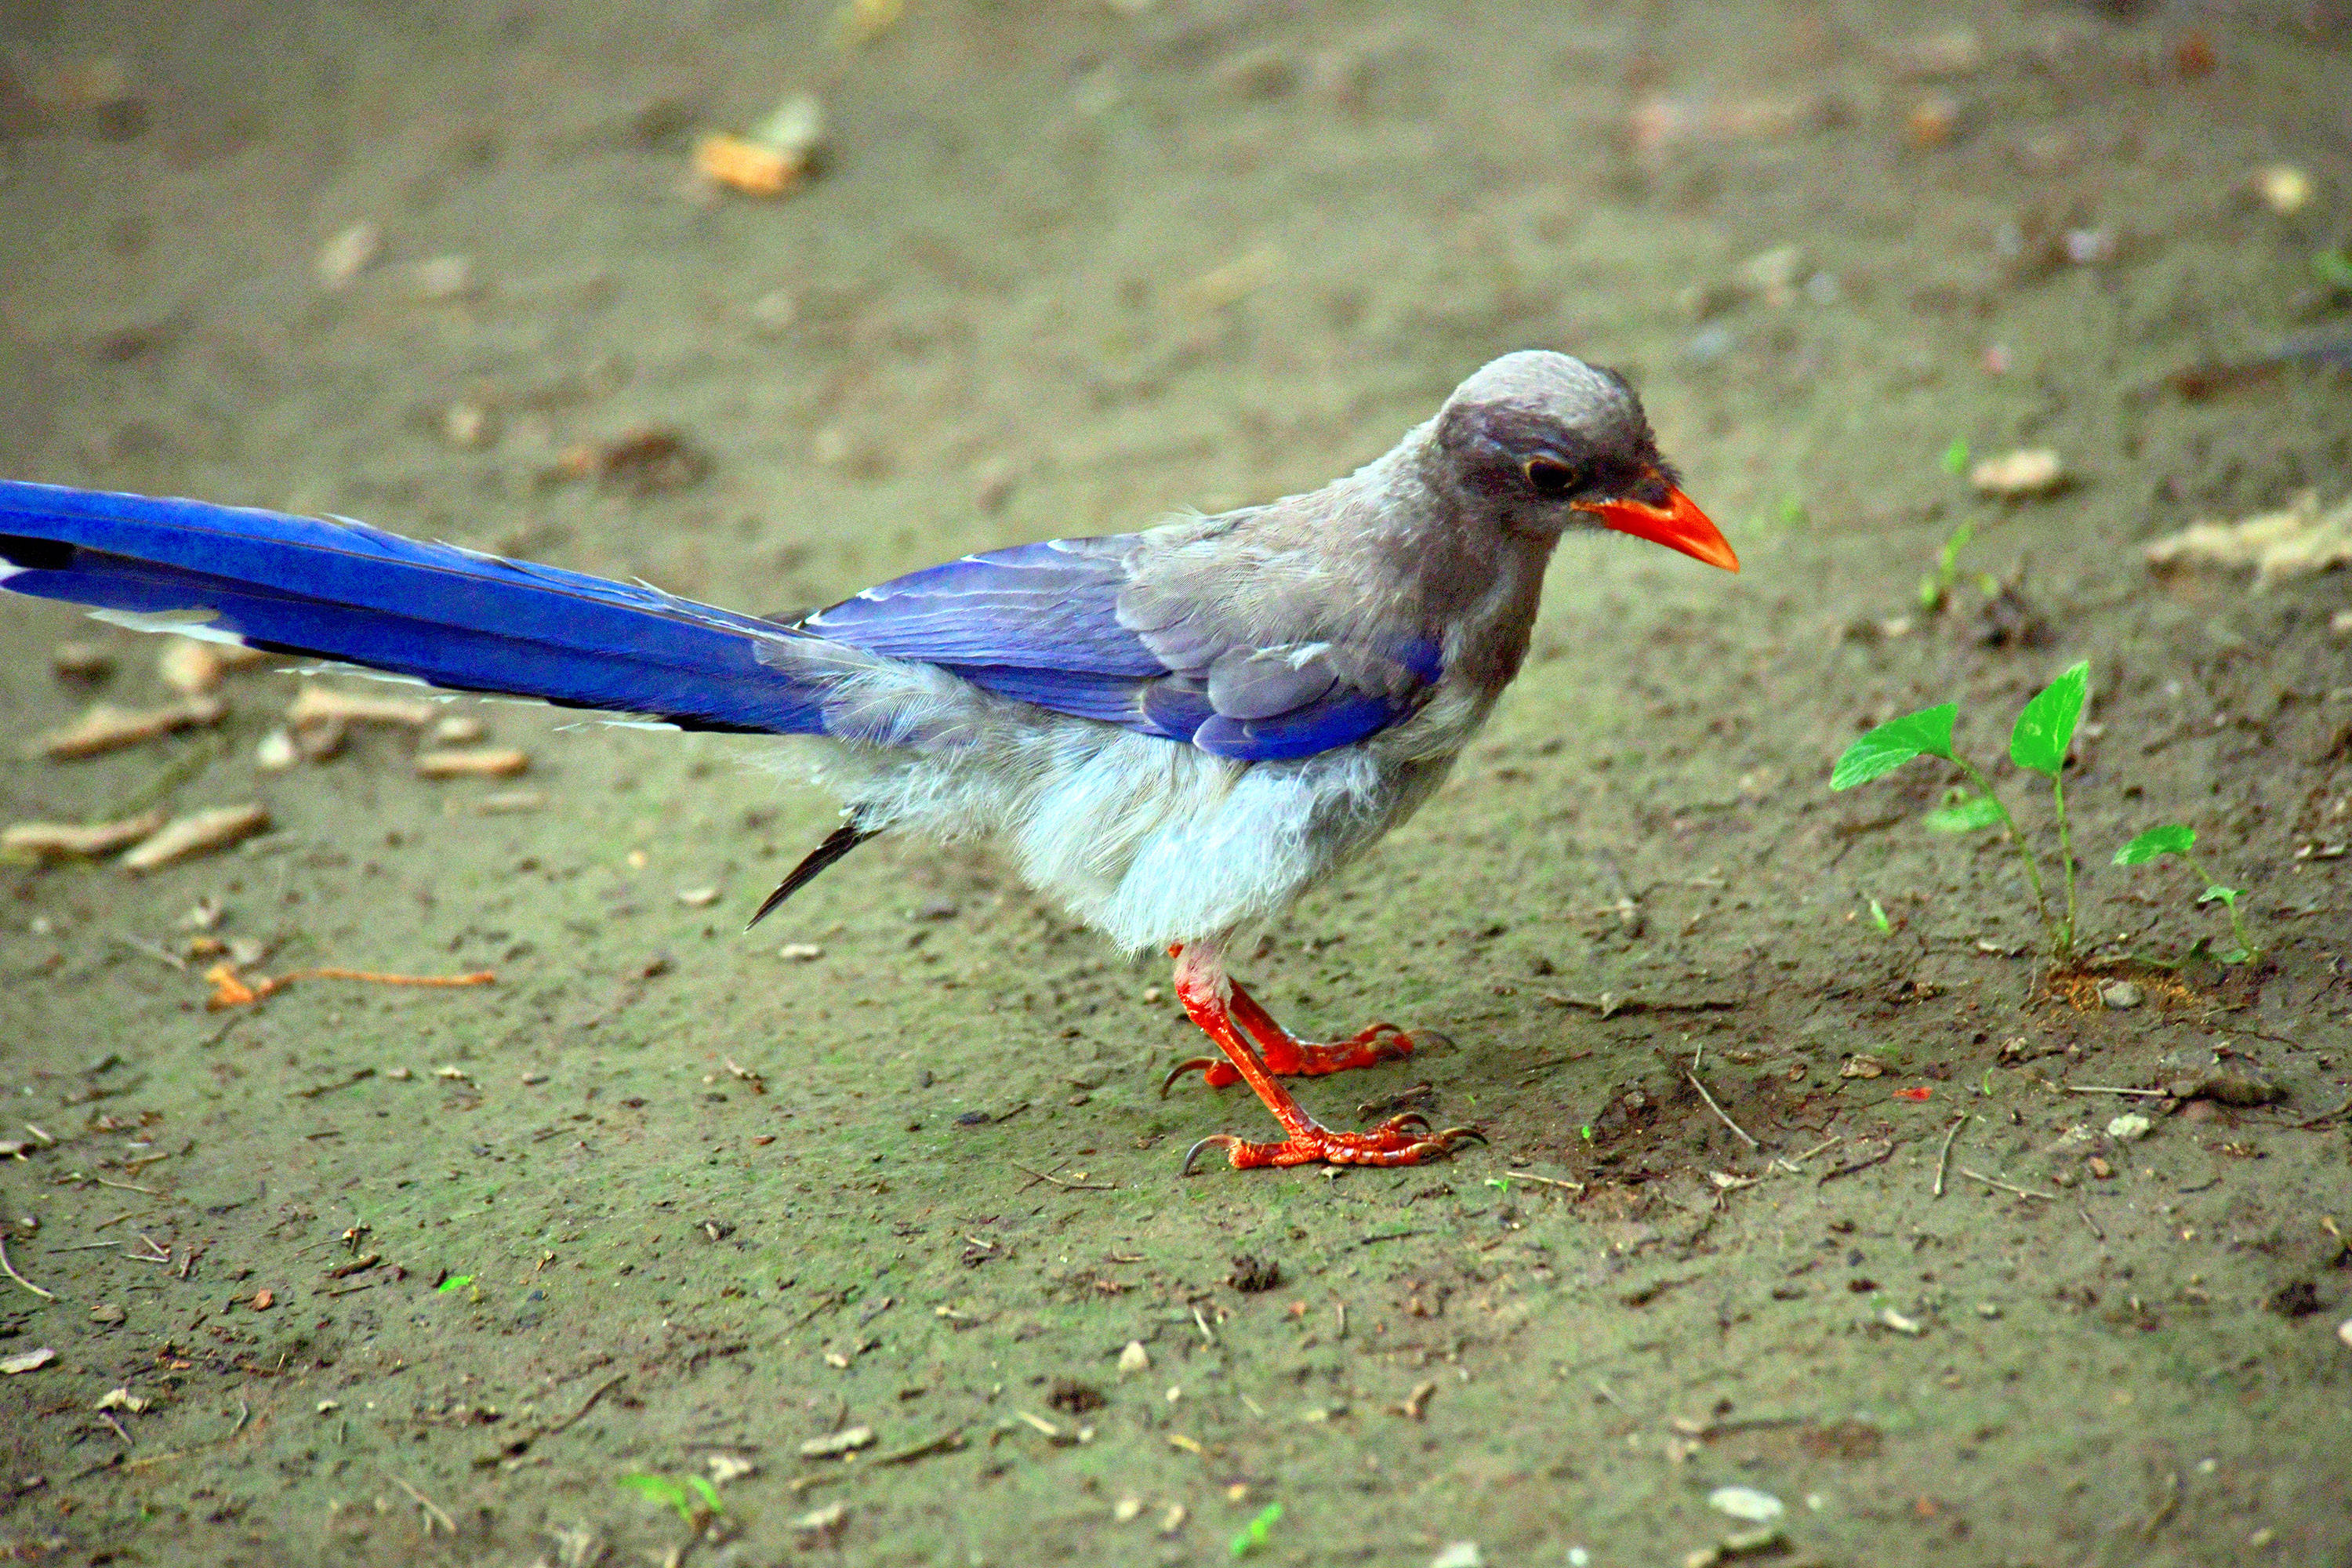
column 1679, row 525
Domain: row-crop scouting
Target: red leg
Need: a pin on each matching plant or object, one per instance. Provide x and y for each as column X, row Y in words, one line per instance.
column 1212, row 1001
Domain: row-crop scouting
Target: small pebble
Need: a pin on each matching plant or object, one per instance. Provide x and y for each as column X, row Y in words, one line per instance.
column 834, row 1445
column 2030, row 471
column 349, row 254
column 1746, row 1502
column 800, row 952
column 469, row 425
column 275, row 752
column 2344, row 1331
column 1901, row 1324
column 774, row 311
column 2130, row 1127
column 1458, row 1554
column 190, row 667
column 1126, row 1510
column 458, row 730
column 1134, row 1359
column 698, row 898
column 2284, row 189
column 89, row 664
column 441, row 279
column 2117, row 995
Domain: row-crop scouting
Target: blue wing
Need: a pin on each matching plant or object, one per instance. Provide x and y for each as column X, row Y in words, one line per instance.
column 1041, row 624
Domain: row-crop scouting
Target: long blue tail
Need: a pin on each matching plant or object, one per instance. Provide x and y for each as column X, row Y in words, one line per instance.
column 454, row 617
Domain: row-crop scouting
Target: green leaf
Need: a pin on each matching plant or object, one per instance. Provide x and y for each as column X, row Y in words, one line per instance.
column 455, row 1282
column 1878, row 918
column 1253, row 1534
column 2333, row 267
column 1926, row 733
column 2046, row 728
column 2226, row 895
column 1976, row 811
column 707, row 1493
column 661, row 1489
column 2172, row 839
column 1956, row 457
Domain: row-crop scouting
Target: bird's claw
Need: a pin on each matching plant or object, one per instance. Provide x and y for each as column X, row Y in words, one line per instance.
column 1208, row 1066
column 1405, row 1140
column 1300, row 1059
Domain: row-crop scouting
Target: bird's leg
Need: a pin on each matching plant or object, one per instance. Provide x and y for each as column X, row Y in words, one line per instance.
column 1287, row 1056
column 1212, row 1001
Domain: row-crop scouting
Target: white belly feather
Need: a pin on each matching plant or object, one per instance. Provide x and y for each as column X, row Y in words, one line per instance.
column 1148, row 840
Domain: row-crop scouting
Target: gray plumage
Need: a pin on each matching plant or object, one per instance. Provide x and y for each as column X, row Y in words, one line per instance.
column 1430, row 556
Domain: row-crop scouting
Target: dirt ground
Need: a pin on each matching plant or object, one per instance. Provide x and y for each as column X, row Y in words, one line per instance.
column 475, row 1276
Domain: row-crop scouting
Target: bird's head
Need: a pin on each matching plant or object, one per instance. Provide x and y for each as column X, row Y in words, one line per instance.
column 1542, row 443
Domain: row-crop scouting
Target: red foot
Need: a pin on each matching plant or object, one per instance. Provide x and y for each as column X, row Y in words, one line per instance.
column 1403, row 1139
column 1286, row 1057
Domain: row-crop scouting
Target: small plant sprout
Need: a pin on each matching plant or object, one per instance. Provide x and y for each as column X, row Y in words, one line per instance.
column 1253, row 1534
column 2177, row 839
column 1956, row 457
column 2038, row 743
column 1935, row 587
column 662, row 1489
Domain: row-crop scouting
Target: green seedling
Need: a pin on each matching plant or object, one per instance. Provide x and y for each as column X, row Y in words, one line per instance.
column 1956, row 457
column 664, row 1491
column 1253, row 1534
column 2037, row 743
column 1935, row 587
column 2177, row 838
column 455, row 1282
column 1878, row 918
column 2333, row 267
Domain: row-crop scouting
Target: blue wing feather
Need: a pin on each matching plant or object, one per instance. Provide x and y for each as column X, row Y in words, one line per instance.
column 450, row 617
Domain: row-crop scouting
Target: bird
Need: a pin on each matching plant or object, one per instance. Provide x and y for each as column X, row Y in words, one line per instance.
column 1173, row 732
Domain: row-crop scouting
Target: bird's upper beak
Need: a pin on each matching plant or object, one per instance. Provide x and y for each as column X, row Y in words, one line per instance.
column 1677, row 524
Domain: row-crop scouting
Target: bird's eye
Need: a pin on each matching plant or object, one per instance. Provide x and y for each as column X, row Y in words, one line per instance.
column 1547, row 478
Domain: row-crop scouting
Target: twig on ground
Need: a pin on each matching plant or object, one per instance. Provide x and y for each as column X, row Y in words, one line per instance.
column 1943, row 1155
column 1851, row 1166
column 434, row 1512
column 1059, row 1181
column 1718, row 1111
column 11, row 1270
column 2005, row 1186
column 586, row 1404
column 2103, row 1089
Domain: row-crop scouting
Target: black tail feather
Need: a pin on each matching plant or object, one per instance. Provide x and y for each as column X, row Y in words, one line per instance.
column 839, row 842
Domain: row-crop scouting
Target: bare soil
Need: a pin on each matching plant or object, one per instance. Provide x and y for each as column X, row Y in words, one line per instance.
column 398, row 1274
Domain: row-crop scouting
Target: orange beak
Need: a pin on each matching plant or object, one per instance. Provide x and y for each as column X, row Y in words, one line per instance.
column 1677, row 525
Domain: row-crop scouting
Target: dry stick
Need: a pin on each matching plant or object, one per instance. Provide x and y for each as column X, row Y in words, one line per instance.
column 2103, row 1089
column 2006, row 1187
column 1075, row 1186
column 586, row 1404
column 1547, row 1180
column 2089, row 1221
column 1711, row 1105
column 434, row 1513
column 1943, row 1155
column 19, row 1279
column 1851, row 1166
